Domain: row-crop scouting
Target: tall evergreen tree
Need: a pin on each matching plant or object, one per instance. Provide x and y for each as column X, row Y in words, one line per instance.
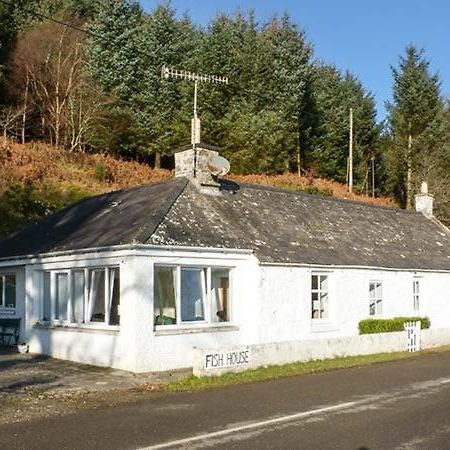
column 334, row 94
column 416, row 123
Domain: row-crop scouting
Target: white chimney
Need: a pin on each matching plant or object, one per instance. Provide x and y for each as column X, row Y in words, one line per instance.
column 424, row 201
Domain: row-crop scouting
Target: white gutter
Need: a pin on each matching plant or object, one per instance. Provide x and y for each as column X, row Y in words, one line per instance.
column 349, row 266
column 35, row 258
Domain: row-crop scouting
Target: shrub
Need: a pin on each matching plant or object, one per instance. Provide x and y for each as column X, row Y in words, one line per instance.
column 370, row 326
column 21, row 203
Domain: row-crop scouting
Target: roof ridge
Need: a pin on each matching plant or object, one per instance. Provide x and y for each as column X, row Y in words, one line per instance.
column 145, row 234
column 323, row 197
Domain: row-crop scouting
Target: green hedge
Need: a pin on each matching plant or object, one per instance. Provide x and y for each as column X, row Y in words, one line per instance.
column 371, row 326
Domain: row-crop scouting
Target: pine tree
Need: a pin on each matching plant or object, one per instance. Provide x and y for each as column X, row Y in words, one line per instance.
column 416, row 123
column 334, row 94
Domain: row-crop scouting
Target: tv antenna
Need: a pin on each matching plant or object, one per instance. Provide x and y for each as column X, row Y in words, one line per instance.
column 170, row 72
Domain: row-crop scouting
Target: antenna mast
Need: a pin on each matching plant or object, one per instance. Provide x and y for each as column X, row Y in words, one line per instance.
column 169, row 72
column 350, row 153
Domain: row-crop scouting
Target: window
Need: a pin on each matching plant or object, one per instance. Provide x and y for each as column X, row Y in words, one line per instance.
column 82, row 296
column 319, row 297
column 191, row 295
column 7, row 290
column 375, row 298
column 416, row 294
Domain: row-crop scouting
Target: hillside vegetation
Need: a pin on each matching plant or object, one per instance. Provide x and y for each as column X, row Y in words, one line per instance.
column 93, row 77
column 38, row 179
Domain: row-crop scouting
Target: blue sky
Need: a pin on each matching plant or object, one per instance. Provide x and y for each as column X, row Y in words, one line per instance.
column 363, row 36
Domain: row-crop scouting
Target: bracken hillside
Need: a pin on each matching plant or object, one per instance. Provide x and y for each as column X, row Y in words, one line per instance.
column 37, row 179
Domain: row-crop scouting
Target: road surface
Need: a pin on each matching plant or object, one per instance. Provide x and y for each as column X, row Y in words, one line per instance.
column 398, row 405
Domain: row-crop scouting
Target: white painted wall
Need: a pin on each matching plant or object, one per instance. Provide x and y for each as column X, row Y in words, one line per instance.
column 172, row 347
column 270, row 304
column 285, row 313
column 96, row 347
column 134, row 345
column 305, row 350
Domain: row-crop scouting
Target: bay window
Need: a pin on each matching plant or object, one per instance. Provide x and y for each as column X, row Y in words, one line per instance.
column 82, row 296
column 184, row 295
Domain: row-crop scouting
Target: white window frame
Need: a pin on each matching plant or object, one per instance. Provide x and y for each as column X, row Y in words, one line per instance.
column 207, row 307
column 53, row 296
column 376, row 300
column 416, row 294
column 319, row 291
column 3, row 306
column 69, row 322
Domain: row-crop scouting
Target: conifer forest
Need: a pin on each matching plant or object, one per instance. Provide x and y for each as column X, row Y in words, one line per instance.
column 85, row 76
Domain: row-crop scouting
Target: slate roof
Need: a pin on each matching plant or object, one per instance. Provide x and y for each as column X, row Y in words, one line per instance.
column 280, row 226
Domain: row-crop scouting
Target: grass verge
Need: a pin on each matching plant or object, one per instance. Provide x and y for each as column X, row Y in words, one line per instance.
column 193, row 383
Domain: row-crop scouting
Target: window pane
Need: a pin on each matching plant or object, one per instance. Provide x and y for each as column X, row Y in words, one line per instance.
column 372, row 290
column 323, row 283
column 2, row 278
column 315, row 305
column 62, row 296
column 378, row 293
column 10, row 291
column 78, row 297
column 47, row 302
column 314, row 282
column 372, row 308
column 324, row 305
column 192, row 295
column 379, row 306
column 114, row 279
column 97, row 295
column 220, row 295
column 164, row 296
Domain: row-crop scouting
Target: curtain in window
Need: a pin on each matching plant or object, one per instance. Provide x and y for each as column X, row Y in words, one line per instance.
column 62, row 296
column 220, row 295
column 164, row 295
column 78, row 297
column 114, row 296
column 193, row 294
column 96, row 303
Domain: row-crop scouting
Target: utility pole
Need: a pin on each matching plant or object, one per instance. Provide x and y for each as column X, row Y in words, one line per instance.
column 168, row 72
column 350, row 154
column 409, row 172
column 373, row 176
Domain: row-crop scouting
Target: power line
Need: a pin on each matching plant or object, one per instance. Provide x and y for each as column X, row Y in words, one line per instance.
column 51, row 19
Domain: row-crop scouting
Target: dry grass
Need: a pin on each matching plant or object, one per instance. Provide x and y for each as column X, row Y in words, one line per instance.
column 37, row 179
column 38, row 163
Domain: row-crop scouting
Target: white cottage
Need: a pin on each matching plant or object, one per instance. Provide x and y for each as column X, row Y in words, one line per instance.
column 136, row 279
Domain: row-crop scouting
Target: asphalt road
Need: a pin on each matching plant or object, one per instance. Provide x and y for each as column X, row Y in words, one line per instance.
column 398, row 405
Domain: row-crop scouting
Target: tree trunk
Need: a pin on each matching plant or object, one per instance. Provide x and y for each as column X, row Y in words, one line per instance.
column 24, row 112
column 157, row 160
column 299, row 160
column 409, row 175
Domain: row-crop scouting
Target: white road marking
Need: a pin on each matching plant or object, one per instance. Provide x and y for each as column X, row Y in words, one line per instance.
column 369, row 401
column 252, row 426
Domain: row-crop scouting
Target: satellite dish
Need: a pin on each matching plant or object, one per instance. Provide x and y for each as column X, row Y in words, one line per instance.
column 218, row 166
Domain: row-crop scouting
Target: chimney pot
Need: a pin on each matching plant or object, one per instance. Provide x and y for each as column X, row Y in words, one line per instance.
column 424, row 201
